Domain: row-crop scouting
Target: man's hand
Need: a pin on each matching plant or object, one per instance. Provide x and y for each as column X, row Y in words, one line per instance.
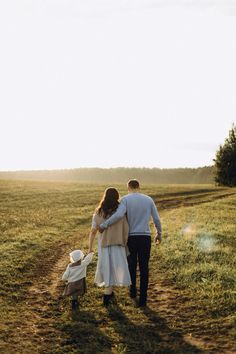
column 100, row 229
column 158, row 239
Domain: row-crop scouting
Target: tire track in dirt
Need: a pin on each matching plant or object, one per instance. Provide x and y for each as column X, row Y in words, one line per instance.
column 168, row 302
column 38, row 321
column 43, row 297
column 164, row 204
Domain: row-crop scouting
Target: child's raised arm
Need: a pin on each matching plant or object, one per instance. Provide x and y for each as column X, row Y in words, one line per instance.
column 87, row 259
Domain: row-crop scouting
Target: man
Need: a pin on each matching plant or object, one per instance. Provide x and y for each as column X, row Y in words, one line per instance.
column 139, row 209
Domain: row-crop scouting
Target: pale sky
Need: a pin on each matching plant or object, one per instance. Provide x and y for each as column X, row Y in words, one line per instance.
column 109, row 83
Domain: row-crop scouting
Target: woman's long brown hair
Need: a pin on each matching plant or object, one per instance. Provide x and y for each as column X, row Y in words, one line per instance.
column 109, row 202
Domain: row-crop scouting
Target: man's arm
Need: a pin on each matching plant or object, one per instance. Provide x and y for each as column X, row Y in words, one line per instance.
column 120, row 212
column 156, row 220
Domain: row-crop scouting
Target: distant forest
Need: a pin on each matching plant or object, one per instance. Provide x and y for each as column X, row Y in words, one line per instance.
column 199, row 175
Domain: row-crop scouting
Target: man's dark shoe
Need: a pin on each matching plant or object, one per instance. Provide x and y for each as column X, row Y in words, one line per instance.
column 132, row 292
column 142, row 302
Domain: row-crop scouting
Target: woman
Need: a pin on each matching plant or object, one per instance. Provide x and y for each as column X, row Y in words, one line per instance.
column 112, row 266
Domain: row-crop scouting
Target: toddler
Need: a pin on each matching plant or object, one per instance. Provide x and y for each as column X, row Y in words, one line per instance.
column 75, row 275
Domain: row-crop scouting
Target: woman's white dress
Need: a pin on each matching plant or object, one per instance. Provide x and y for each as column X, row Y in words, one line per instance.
column 112, row 266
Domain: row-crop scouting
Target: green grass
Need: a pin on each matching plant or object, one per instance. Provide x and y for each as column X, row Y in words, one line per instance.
column 40, row 222
column 198, row 255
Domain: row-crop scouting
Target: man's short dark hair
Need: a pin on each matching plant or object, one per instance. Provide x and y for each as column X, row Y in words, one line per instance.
column 133, row 183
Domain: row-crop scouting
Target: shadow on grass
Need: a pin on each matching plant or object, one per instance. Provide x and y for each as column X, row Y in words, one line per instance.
column 146, row 333
column 83, row 335
column 155, row 336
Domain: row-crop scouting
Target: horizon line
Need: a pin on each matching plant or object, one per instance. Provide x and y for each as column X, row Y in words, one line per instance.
column 102, row 168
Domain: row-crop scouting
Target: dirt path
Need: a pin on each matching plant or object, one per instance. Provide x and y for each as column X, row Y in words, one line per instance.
column 191, row 200
column 37, row 327
column 170, row 303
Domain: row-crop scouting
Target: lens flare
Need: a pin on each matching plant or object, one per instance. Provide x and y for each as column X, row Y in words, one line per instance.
column 206, row 242
column 188, row 231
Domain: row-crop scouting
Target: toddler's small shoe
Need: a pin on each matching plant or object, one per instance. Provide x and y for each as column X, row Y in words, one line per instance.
column 74, row 304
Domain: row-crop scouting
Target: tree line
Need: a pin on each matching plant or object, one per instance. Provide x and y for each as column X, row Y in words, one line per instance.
column 201, row 175
column 225, row 161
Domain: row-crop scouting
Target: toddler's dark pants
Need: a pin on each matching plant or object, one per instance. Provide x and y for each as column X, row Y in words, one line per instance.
column 75, row 295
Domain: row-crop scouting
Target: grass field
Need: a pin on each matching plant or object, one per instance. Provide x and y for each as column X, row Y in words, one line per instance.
column 192, row 292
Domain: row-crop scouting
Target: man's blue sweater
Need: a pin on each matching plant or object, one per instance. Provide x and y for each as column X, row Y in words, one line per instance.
column 139, row 208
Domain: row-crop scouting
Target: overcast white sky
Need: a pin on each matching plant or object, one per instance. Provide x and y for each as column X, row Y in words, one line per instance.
column 115, row 83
